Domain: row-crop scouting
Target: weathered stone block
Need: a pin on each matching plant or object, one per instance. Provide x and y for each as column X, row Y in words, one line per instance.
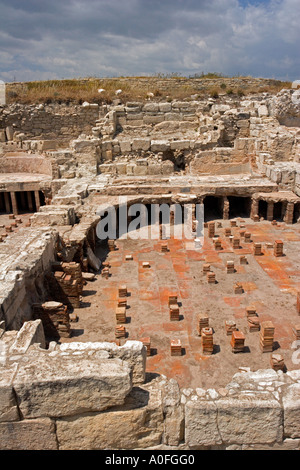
column 31, row 434
column 8, row 404
column 291, row 407
column 151, row 107
column 141, row 144
column 53, row 385
column 125, row 146
column 253, row 417
column 159, row 145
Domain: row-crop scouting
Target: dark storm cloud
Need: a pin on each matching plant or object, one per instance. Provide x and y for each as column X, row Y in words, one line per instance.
column 57, row 39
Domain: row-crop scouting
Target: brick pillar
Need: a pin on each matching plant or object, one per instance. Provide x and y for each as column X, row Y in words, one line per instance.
column 14, row 202
column 270, row 211
column 7, row 203
column 289, row 213
column 225, row 208
column 254, row 208
column 37, row 200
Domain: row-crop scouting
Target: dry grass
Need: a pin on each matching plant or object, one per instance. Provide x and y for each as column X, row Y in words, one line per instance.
column 77, row 91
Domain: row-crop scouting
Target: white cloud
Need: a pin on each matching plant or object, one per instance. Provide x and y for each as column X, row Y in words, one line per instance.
column 78, row 38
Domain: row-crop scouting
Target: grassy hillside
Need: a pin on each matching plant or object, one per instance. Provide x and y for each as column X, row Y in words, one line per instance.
column 137, row 88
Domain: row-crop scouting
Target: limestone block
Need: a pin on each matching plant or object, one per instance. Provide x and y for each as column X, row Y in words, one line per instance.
column 121, row 168
column 141, row 144
column 140, row 170
column 151, row 107
column 31, row 434
column 160, row 145
column 125, row 146
column 154, row 169
column 243, row 124
column 201, row 426
column 132, row 109
column 30, row 333
column 107, row 168
column 134, row 117
column 124, row 429
column 8, row 404
column 173, row 117
column 291, row 407
column 153, row 119
column 56, row 385
column 252, row 417
column 165, row 107
column 263, row 111
column 180, row 145
column 133, row 352
column 130, row 168
column 167, row 167
column 173, row 413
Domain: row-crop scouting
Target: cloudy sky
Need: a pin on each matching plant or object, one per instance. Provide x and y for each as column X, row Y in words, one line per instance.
column 83, row 38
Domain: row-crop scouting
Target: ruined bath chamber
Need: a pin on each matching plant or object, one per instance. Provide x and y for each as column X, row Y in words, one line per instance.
column 55, row 384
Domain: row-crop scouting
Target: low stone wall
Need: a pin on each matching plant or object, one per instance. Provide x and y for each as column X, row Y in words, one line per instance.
column 59, row 122
column 92, row 396
column 24, row 256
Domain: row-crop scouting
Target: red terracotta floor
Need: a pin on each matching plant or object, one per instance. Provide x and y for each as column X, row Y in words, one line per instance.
column 270, row 284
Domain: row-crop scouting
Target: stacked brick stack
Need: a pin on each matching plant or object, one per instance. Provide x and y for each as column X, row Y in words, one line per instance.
column 120, row 331
column 211, row 229
column 55, row 319
column 252, row 319
column 227, row 232
column 122, row 291
column 243, row 259
column 147, row 343
column 121, row 315
column 237, row 341
column 267, row 336
column 105, row 273
column 174, row 312
column 235, row 243
column 111, row 245
column 74, row 270
column 230, row 267
column 64, row 289
column 122, row 302
column 257, row 249
column 233, row 223
column 211, row 278
column 173, row 300
column 296, row 331
column 247, row 237
column 207, row 340
column 230, row 326
column 176, row 347
column 238, row 288
column 203, row 322
column 278, row 248
column 218, row 244
column 277, row 362
column 206, row 268
column 164, row 248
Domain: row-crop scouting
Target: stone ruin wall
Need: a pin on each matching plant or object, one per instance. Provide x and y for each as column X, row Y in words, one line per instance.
column 88, row 396
column 48, row 396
